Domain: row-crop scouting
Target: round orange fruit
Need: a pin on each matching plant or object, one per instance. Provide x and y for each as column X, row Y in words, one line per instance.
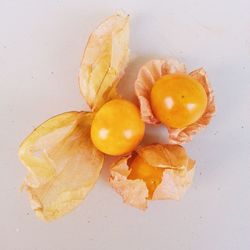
column 117, row 127
column 178, row 100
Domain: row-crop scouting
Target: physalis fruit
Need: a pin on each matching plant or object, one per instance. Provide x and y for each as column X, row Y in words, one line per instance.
column 178, row 100
column 117, row 127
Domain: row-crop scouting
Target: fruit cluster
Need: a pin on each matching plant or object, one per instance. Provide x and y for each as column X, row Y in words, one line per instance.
column 65, row 154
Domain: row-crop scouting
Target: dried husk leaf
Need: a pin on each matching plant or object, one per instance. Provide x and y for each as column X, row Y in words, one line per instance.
column 165, row 156
column 62, row 163
column 175, row 183
column 149, row 74
column 177, row 176
column 104, row 61
column 133, row 192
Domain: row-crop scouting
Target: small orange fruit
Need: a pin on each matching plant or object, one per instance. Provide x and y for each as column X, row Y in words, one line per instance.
column 178, row 100
column 117, row 127
column 152, row 176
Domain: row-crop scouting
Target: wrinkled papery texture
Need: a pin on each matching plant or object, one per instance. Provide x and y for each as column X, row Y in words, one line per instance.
column 177, row 176
column 104, row 61
column 133, row 192
column 149, row 74
column 62, row 163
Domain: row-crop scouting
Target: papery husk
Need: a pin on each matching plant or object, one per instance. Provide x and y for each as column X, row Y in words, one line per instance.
column 133, row 192
column 149, row 74
column 165, row 156
column 62, row 163
column 177, row 175
column 104, row 61
column 175, row 183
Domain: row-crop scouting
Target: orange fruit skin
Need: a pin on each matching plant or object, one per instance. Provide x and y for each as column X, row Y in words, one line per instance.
column 178, row 100
column 152, row 176
column 117, row 127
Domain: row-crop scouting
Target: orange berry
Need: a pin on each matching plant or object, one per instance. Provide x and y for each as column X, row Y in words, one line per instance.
column 117, row 127
column 178, row 100
column 152, row 176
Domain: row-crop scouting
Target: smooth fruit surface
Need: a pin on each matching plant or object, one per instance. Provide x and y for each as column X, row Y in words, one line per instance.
column 152, row 176
column 178, row 100
column 117, row 127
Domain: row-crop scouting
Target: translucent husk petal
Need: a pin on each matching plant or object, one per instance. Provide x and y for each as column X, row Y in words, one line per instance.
column 133, row 192
column 62, row 163
column 104, row 61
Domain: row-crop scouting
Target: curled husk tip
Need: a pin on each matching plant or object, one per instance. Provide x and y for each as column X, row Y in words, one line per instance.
column 62, row 163
column 178, row 172
column 149, row 74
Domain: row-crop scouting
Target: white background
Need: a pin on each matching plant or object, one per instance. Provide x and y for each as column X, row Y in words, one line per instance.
column 41, row 44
